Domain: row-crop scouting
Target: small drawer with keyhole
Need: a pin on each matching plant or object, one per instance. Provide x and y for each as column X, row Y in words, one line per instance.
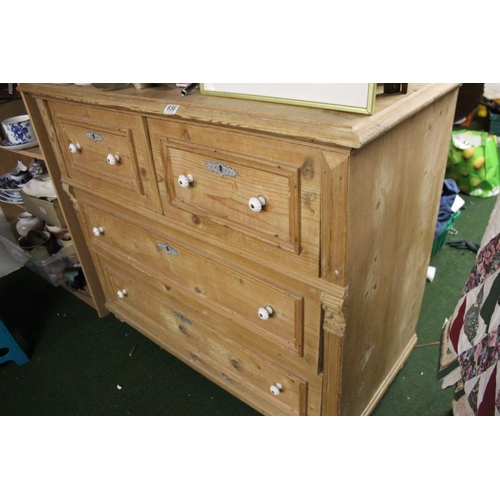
column 107, row 152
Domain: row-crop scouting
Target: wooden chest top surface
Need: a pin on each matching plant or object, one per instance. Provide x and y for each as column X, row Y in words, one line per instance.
column 310, row 124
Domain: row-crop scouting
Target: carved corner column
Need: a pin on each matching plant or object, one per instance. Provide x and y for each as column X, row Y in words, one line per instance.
column 334, row 324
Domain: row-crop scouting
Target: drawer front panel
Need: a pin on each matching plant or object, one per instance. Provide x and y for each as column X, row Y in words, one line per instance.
column 108, row 152
column 201, row 347
column 227, row 170
column 240, row 294
column 224, row 190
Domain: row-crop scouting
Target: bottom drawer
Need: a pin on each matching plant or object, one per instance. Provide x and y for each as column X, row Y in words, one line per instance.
column 264, row 385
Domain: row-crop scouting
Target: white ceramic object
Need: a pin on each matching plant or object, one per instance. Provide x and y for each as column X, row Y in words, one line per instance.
column 26, row 222
column 113, row 159
column 185, row 180
column 265, row 312
column 276, row 389
column 16, row 147
column 431, row 274
column 75, row 148
column 19, row 130
column 256, row 204
column 57, row 231
column 66, row 240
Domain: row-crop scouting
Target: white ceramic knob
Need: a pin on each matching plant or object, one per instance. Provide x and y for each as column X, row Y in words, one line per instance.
column 98, row 231
column 276, row 389
column 185, row 180
column 75, row 148
column 121, row 293
column 256, row 204
column 113, row 159
column 265, row 312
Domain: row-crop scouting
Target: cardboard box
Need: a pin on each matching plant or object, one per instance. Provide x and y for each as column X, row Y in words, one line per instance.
column 49, row 211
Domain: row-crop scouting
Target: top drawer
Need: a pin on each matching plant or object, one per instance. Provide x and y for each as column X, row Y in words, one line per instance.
column 245, row 190
column 106, row 152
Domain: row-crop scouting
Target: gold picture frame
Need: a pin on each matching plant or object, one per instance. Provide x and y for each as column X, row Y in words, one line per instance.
column 349, row 97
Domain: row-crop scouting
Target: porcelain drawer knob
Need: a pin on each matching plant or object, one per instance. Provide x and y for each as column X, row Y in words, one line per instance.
column 98, row 231
column 75, row 148
column 113, row 159
column 185, row 180
column 256, row 204
column 276, row 389
column 121, row 293
column 265, row 312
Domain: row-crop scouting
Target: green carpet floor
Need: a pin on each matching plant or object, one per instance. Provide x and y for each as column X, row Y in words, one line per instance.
column 80, row 364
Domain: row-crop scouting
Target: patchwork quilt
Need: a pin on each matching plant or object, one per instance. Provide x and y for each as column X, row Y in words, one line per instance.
column 470, row 344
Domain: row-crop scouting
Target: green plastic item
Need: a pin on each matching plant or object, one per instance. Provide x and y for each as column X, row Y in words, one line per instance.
column 439, row 241
column 473, row 162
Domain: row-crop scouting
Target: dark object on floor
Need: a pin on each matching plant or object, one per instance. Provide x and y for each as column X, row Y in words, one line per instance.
column 448, row 196
column 464, row 245
column 75, row 278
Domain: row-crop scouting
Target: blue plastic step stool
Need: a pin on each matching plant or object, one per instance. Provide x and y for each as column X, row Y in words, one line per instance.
column 9, row 348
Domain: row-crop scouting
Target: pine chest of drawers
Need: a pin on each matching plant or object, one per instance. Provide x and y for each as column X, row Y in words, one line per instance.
column 280, row 251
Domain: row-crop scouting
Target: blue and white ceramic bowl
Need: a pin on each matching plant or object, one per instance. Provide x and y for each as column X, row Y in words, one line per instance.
column 18, row 130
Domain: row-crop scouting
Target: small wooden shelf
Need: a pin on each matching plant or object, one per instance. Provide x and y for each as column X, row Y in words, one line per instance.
column 34, row 152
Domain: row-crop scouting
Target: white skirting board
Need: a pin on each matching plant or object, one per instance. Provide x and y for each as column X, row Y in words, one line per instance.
column 7, row 263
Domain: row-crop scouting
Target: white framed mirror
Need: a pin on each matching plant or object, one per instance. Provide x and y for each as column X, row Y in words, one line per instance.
column 350, row 97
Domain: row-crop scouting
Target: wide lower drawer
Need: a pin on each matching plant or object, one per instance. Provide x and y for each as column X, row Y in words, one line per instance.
column 270, row 388
column 269, row 310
